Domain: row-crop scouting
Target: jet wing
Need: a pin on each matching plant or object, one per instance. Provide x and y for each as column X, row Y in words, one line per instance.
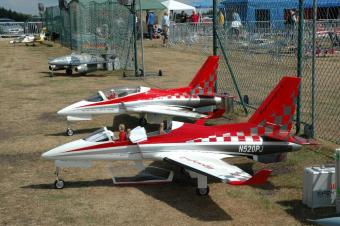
column 166, row 110
column 212, row 165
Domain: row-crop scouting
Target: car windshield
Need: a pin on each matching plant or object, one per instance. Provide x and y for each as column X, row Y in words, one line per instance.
column 100, row 135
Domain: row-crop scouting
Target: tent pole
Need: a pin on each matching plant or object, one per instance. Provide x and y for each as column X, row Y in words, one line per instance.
column 142, row 36
column 300, row 63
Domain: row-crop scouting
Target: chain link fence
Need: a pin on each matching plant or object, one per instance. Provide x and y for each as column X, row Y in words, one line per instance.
column 258, row 44
column 91, row 27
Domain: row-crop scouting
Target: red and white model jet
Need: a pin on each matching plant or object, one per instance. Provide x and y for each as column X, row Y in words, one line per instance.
column 199, row 149
column 191, row 101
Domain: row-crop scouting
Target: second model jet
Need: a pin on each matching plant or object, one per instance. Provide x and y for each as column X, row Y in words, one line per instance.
column 197, row 100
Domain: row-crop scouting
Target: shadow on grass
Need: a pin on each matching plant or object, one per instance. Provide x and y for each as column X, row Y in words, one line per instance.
column 63, row 74
column 303, row 213
column 74, row 184
column 179, row 194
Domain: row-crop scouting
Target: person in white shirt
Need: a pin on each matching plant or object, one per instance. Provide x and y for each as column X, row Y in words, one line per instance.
column 165, row 28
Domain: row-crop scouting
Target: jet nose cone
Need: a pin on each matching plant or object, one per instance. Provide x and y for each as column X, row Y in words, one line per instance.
column 296, row 147
column 59, row 60
column 47, row 155
column 62, row 111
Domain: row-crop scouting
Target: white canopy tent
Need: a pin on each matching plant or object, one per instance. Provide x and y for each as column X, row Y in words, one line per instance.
column 173, row 5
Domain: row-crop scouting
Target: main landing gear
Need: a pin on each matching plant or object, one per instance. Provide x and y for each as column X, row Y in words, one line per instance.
column 69, row 71
column 58, row 183
column 202, row 182
column 142, row 120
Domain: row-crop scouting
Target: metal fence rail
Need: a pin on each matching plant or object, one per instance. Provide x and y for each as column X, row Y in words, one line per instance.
column 12, row 29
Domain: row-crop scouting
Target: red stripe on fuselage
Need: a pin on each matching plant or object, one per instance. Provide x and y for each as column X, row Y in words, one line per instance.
column 189, row 132
column 105, row 145
column 149, row 95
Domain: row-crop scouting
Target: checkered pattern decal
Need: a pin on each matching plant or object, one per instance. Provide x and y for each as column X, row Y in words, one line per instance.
column 207, row 86
column 229, row 137
column 237, row 176
column 275, row 115
column 204, row 81
column 180, row 96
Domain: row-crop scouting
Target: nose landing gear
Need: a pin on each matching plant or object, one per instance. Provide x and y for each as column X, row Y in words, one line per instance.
column 58, row 183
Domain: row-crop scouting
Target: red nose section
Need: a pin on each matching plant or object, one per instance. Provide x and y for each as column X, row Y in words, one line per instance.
column 260, row 177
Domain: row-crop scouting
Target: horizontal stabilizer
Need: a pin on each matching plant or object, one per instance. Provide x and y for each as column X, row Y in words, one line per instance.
column 303, row 141
column 294, row 139
column 260, row 177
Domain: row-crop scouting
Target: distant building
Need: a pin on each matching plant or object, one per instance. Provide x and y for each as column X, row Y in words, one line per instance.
column 272, row 14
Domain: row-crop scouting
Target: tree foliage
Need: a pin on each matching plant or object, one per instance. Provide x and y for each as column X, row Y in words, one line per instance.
column 7, row 13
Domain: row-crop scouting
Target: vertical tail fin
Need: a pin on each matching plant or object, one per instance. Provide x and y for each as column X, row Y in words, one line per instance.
column 204, row 81
column 275, row 115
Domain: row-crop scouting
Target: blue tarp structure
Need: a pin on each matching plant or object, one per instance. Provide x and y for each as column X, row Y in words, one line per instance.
column 272, row 11
column 322, row 3
column 202, row 4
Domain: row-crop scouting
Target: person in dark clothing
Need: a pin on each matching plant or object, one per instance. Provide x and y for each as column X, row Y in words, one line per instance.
column 150, row 22
column 183, row 17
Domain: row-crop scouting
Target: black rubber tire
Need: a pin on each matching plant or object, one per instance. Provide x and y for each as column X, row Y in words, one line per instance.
column 69, row 71
column 202, row 191
column 160, row 73
column 69, row 132
column 59, row 184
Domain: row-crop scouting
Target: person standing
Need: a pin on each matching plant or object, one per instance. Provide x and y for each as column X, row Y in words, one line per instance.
column 194, row 18
column 165, row 28
column 150, row 22
column 183, row 17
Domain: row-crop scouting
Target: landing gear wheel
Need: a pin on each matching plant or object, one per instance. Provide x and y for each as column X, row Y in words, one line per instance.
column 202, row 191
column 59, row 184
column 143, row 121
column 160, row 73
column 69, row 71
column 69, row 132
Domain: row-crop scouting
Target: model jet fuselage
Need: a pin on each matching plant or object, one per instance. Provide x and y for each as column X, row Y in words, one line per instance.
column 82, row 63
column 139, row 100
column 181, row 137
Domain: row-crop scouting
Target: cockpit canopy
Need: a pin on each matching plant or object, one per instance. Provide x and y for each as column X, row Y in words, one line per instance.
column 100, row 135
column 116, row 92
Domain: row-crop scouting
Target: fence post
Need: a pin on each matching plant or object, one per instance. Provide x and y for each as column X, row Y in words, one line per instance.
column 214, row 27
column 232, row 74
column 315, row 10
column 299, row 63
column 135, row 36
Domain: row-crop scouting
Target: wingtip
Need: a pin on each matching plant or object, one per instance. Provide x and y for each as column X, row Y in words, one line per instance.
column 260, row 177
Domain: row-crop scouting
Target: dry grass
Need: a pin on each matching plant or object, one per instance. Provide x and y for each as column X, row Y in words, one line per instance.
column 29, row 100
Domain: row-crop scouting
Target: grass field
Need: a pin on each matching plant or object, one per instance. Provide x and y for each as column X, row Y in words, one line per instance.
column 29, row 125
